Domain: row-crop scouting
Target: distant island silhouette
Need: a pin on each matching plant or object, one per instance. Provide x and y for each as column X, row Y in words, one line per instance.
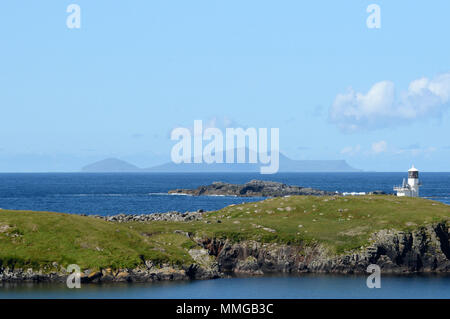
column 114, row 165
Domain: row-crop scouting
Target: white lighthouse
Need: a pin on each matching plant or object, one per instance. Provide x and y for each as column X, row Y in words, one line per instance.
column 410, row 188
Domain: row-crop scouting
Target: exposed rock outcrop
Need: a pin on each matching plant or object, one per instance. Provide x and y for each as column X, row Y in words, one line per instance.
column 169, row 216
column 147, row 273
column 426, row 249
column 254, row 188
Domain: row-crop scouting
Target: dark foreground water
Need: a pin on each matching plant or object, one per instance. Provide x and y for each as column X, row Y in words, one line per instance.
column 107, row 194
column 305, row 287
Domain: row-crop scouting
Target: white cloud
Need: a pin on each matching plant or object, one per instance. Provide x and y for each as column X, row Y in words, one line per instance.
column 383, row 147
column 379, row 147
column 380, row 107
column 351, row 150
column 416, row 150
column 219, row 122
column 213, row 122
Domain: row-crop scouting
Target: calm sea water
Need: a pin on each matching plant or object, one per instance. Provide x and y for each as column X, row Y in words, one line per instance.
column 305, row 287
column 107, row 194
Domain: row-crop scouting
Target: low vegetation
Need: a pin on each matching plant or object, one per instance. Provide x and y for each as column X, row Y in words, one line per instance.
column 46, row 240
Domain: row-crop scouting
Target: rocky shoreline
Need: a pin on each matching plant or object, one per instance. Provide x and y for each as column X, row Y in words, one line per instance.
column 169, row 216
column 424, row 250
column 254, row 188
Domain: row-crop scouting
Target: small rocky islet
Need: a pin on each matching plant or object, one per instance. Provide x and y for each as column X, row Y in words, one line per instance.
column 254, row 188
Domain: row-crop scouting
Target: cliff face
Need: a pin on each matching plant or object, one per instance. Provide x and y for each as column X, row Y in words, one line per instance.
column 424, row 250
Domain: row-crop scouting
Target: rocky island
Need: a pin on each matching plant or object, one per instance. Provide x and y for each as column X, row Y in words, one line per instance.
column 294, row 235
column 254, row 188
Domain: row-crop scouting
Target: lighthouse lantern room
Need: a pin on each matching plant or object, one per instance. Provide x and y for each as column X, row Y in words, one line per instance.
column 409, row 188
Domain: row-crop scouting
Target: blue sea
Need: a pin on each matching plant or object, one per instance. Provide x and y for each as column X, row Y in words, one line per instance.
column 135, row 193
column 272, row 287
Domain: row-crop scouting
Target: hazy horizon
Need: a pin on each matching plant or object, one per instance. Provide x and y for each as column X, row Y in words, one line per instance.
column 116, row 87
column 205, row 172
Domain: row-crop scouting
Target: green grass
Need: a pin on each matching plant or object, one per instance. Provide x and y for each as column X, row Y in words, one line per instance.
column 37, row 239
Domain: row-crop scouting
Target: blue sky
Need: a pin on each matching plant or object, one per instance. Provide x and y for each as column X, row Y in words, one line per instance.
column 136, row 69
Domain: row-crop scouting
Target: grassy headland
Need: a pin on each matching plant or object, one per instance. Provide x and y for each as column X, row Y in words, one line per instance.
column 39, row 239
